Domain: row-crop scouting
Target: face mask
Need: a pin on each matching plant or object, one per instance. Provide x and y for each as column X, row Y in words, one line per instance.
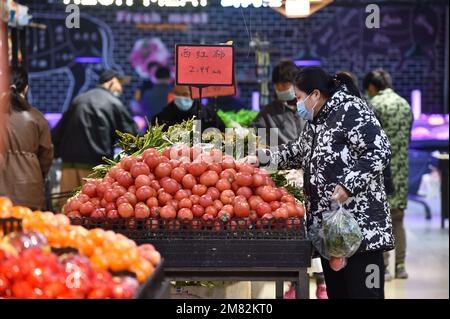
column 183, row 103
column 287, row 95
column 303, row 112
column 117, row 94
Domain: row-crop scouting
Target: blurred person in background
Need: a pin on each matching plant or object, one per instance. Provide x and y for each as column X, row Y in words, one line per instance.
column 155, row 99
column 183, row 108
column 395, row 116
column 87, row 131
column 282, row 112
column 28, row 148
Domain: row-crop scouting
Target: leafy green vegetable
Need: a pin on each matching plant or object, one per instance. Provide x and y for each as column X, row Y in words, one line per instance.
column 279, row 178
column 341, row 233
column 242, row 117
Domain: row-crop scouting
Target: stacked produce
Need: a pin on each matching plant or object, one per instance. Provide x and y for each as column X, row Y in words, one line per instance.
column 29, row 270
column 184, row 183
column 106, row 250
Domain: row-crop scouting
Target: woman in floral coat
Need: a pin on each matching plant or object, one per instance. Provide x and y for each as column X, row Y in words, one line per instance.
column 343, row 152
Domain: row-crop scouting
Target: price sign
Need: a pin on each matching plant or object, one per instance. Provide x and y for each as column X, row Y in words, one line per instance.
column 204, row 65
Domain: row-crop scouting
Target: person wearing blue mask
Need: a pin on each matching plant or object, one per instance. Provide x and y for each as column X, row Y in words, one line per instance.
column 281, row 112
column 183, row 108
column 343, row 151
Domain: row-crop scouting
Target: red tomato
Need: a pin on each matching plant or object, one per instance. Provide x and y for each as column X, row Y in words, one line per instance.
column 209, row 178
column 131, row 198
column 213, row 192
column 275, row 205
column 254, row 200
column 139, row 169
column 89, row 189
column 141, row 211
column 189, row 181
column 194, row 199
column 168, row 212
column 125, row 179
column 185, row 213
column 185, row 203
column 241, row 209
column 223, row 184
column 164, row 198
column 125, row 210
column 152, row 161
column 142, row 180
column 170, row 186
column 152, row 202
column 163, row 170
column 227, row 197
column 174, row 203
column 197, row 168
column 211, row 210
column 216, row 167
column 145, row 192
column 263, row 208
column 86, row 208
column 205, row 200
column 228, row 162
column 300, row 210
column 228, row 174
column 182, row 193
column 287, row 199
column 121, row 200
column 218, row 204
column 127, row 162
column 198, row 210
column 199, row 189
column 291, row 209
column 244, row 191
column 155, row 185
column 245, row 168
column 268, row 194
column 281, row 213
column 178, row 174
column 228, row 208
column 132, row 189
column 258, row 180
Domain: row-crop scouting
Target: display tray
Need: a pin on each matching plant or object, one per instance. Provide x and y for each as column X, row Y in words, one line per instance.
column 226, row 244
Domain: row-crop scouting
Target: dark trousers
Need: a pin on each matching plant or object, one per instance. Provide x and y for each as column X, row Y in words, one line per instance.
column 362, row 278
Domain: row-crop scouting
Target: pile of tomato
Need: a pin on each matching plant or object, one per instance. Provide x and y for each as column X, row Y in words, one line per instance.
column 183, row 183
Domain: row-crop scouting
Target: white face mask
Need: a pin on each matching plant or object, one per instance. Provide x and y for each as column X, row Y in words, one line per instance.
column 287, row 95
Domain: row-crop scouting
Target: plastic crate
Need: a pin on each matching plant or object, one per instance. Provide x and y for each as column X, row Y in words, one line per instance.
column 142, row 230
column 9, row 225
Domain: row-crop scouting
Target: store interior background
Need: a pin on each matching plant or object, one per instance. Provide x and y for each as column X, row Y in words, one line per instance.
column 412, row 45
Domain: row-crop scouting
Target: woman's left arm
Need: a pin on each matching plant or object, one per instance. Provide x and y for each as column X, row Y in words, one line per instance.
column 364, row 135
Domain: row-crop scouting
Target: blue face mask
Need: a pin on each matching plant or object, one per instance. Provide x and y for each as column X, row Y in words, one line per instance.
column 183, row 103
column 303, row 112
column 287, row 95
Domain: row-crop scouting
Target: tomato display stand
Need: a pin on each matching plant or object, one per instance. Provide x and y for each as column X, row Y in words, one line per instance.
column 215, row 250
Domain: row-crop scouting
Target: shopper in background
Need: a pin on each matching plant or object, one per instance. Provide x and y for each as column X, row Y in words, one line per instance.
column 282, row 112
column 395, row 116
column 87, row 131
column 183, row 108
column 343, row 151
column 29, row 148
column 155, row 99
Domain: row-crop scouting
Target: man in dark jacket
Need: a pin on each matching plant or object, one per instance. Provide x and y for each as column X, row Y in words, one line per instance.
column 282, row 113
column 86, row 132
column 184, row 108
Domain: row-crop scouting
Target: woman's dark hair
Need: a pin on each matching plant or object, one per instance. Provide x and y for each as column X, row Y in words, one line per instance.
column 284, row 71
column 162, row 73
column 19, row 82
column 379, row 78
column 315, row 78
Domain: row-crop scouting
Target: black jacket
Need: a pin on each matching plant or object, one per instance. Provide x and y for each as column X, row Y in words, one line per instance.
column 86, row 131
column 278, row 115
column 344, row 145
column 171, row 115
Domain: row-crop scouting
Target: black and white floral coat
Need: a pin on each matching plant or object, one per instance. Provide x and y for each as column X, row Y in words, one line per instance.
column 344, row 145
